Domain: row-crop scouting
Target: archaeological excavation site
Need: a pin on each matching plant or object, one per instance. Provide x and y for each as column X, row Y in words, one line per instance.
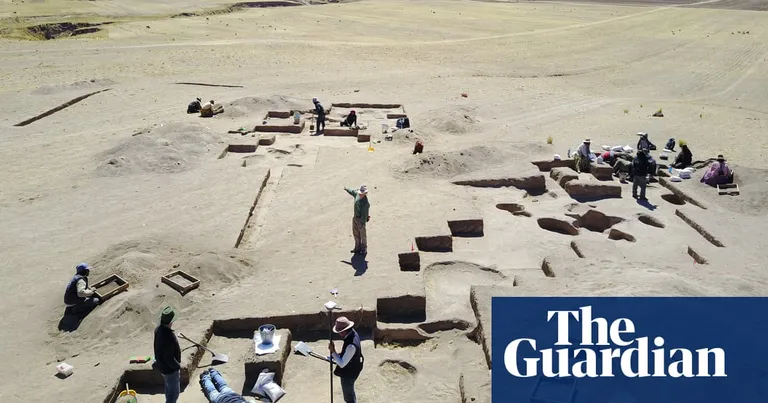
column 209, row 157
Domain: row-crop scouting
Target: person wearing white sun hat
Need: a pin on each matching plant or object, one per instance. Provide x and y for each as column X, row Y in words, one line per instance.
column 362, row 208
column 350, row 363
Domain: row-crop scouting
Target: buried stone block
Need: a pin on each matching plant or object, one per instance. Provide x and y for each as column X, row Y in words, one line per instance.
column 602, row 172
column 363, row 138
column 591, row 190
column 438, row 243
column 273, row 362
column 409, row 261
column 267, row 139
column 563, row 175
column 466, row 228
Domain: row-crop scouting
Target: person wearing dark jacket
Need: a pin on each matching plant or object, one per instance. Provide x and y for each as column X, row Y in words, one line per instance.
column 320, row 111
column 640, row 170
column 644, row 143
column 351, row 120
column 168, row 355
column 350, row 363
column 78, row 297
column 684, row 159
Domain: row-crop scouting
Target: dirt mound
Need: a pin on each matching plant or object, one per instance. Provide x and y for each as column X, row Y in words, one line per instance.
column 397, row 373
column 142, row 263
column 449, row 120
column 450, row 163
column 79, row 85
column 168, row 148
column 255, row 107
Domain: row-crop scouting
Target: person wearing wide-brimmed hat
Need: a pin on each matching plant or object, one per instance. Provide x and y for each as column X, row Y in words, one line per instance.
column 168, row 354
column 349, row 363
column 584, row 156
column 362, row 208
column 719, row 173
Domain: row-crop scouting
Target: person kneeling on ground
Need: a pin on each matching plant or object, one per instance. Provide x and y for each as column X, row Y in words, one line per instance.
column 623, row 164
column 194, row 106
column 719, row 173
column 350, row 121
column 640, row 170
column 78, row 298
column 216, row 389
column 684, row 159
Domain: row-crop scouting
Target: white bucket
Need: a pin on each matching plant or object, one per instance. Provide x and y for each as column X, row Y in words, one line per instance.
column 64, row 369
column 384, row 127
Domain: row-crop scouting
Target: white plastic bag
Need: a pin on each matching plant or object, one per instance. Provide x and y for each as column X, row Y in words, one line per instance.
column 273, row 391
column 264, row 378
column 628, row 149
column 675, row 179
column 617, row 148
column 685, row 175
column 606, row 148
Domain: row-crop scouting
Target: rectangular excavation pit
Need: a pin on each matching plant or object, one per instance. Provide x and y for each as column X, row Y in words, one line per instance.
column 696, row 257
column 340, row 132
column 367, row 106
column 273, row 362
column 279, row 114
column 273, row 126
column 109, row 287
column 438, row 243
column 409, row 261
column 706, row 234
column 396, row 115
column 299, row 324
column 402, row 309
column 471, row 228
column 363, row 138
column 546, row 166
column 181, row 281
column 238, row 148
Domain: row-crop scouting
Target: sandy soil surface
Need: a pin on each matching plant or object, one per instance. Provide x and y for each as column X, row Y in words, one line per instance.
column 130, row 183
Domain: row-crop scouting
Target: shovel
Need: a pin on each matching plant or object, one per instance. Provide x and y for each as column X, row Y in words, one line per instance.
column 304, row 349
column 223, row 358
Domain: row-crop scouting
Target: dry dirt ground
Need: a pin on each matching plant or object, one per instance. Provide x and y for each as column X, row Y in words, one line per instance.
column 130, row 183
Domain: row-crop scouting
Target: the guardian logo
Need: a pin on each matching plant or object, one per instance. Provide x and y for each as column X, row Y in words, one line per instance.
column 618, row 351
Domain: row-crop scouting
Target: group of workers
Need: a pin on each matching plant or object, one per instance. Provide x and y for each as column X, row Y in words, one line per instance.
column 642, row 168
column 349, row 121
column 81, row 300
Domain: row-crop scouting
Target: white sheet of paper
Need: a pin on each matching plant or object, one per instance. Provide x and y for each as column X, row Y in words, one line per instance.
column 260, row 349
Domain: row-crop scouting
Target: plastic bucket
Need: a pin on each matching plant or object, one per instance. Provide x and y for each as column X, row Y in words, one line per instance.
column 267, row 332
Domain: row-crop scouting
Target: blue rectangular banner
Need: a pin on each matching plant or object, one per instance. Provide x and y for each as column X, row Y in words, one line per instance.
column 629, row 350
